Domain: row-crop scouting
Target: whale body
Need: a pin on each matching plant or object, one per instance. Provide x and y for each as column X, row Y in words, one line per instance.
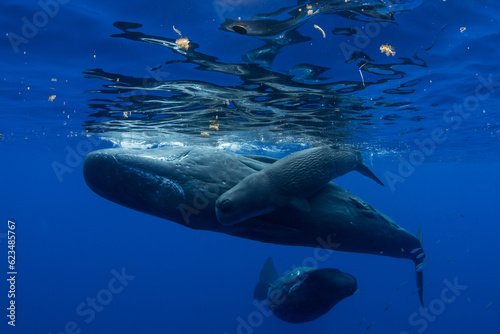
column 182, row 184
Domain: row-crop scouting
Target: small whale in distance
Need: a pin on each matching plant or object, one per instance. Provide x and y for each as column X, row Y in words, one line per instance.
column 305, row 293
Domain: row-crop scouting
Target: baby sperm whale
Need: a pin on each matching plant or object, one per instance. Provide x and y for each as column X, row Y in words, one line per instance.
column 288, row 182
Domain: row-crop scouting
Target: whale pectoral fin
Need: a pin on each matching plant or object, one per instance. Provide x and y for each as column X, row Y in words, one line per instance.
column 363, row 169
column 300, row 203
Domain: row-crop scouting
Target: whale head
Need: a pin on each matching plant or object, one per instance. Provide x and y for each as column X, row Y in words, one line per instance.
column 245, row 200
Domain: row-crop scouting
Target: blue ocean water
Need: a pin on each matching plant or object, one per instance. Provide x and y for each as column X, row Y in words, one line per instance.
column 84, row 75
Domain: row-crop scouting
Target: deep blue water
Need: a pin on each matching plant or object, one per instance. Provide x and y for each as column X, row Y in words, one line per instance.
column 299, row 90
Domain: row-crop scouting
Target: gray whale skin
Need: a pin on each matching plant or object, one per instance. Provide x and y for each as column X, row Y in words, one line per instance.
column 181, row 184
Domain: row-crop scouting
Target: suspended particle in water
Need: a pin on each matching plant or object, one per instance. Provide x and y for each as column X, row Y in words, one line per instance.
column 183, row 42
column 387, row 49
column 322, row 31
column 214, row 125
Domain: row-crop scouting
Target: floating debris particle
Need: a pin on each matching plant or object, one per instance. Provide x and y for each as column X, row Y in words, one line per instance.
column 387, row 49
column 205, row 133
column 387, row 307
column 214, row 125
column 468, row 300
column 361, row 322
column 177, row 31
column 183, row 42
column 370, row 326
column 363, row 80
column 53, row 79
column 52, row 98
column 438, row 242
column 309, row 9
column 322, row 31
column 1, row 136
column 489, row 305
column 462, row 29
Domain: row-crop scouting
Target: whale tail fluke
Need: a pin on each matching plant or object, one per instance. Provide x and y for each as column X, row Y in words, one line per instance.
column 419, row 267
column 363, row 169
column 268, row 275
column 420, row 283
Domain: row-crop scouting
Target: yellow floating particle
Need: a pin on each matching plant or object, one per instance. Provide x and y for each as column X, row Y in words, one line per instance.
column 309, row 9
column 177, row 31
column 214, row 125
column 317, row 27
column 387, row 49
column 462, row 29
column 205, row 134
column 52, row 98
column 53, row 79
column 183, row 43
